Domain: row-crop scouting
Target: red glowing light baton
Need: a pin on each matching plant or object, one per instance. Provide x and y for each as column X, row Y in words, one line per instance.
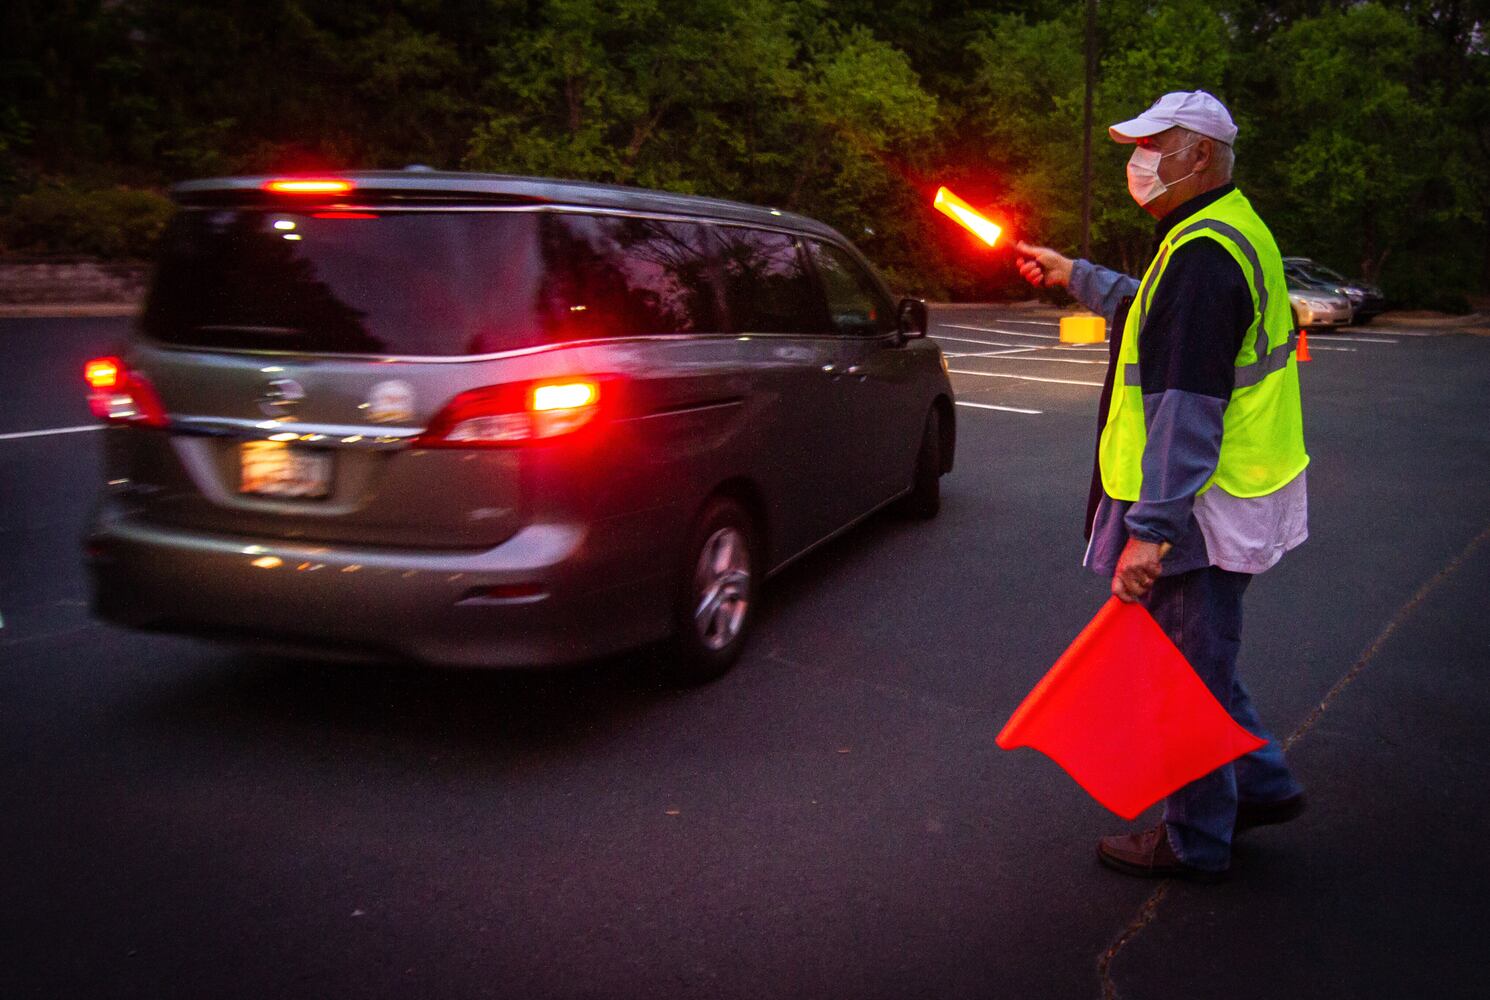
column 966, row 216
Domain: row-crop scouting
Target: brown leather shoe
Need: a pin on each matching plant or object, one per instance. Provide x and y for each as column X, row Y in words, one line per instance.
column 1148, row 855
column 1250, row 814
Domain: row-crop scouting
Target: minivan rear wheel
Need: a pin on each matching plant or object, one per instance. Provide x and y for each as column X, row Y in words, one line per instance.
column 717, row 589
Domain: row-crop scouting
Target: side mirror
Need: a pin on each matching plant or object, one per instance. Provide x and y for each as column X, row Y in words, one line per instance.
column 912, row 318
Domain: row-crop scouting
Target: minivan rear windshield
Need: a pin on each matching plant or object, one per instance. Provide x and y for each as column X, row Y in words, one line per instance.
column 435, row 283
column 407, row 283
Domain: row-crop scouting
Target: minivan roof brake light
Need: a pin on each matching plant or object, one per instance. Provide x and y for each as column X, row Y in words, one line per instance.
column 308, row 185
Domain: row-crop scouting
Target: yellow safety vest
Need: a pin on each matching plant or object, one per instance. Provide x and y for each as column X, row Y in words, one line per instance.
column 1262, row 443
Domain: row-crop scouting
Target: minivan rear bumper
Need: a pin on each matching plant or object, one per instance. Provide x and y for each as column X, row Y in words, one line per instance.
column 429, row 606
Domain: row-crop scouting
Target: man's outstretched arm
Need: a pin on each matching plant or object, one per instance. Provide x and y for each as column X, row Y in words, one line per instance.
column 1097, row 288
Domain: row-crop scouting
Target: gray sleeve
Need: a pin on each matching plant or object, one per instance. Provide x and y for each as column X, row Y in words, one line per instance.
column 1183, row 447
column 1099, row 289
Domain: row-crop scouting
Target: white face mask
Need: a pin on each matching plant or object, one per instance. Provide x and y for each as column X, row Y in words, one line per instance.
column 1143, row 173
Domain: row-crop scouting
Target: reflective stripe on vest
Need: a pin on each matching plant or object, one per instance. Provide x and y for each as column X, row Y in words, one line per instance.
column 1266, row 361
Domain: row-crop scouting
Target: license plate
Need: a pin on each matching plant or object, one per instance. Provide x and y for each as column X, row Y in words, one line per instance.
column 275, row 469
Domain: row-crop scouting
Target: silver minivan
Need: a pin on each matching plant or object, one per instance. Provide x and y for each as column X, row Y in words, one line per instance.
column 483, row 420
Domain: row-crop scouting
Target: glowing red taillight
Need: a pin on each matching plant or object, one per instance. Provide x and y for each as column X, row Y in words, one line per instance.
column 122, row 396
column 102, row 373
column 515, row 414
column 308, row 185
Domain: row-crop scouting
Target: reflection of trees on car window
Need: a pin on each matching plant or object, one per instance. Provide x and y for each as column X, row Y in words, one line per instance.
column 410, row 283
column 223, row 281
column 766, row 285
column 856, row 306
column 617, row 277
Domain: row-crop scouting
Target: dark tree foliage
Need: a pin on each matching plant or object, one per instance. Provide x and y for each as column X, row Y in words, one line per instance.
column 1365, row 127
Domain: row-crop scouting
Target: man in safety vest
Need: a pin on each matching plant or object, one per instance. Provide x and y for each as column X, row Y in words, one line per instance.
column 1199, row 481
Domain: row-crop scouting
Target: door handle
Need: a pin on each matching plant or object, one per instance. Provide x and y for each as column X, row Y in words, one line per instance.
column 831, row 369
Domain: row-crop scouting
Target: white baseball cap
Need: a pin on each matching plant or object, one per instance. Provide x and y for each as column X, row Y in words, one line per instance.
column 1192, row 109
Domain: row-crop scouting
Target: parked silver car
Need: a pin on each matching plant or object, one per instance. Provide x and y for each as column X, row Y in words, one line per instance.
column 1366, row 299
column 483, row 420
column 1315, row 307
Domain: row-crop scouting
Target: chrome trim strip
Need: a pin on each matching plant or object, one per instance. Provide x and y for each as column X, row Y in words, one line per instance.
column 673, row 411
column 462, row 359
column 259, row 430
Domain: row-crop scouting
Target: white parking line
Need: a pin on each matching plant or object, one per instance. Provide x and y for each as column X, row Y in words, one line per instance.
column 1029, row 322
column 1025, row 378
column 1006, row 333
column 990, row 354
column 990, row 406
column 1325, row 347
column 1358, row 340
column 970, row 340
column 1023, row 347
column 54, row 430
column 1064, row 361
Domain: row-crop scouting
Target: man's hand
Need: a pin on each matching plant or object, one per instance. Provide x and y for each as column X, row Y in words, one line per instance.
column 1137, row 569
column 1043, row 266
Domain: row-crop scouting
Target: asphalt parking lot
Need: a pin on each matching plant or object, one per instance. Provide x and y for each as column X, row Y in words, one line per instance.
column 832, row 819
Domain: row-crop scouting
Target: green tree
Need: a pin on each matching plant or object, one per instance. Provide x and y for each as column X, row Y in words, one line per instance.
column 758, row 100
column 1360, row 156
column 1365, row 127
column 1028, row 95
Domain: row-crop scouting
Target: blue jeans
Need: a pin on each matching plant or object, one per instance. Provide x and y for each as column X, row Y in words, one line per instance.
column 1201, row 612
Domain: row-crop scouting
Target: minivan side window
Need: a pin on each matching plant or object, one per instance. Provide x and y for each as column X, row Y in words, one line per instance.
column 767, row 288
column 855, row 302
column 619, row 276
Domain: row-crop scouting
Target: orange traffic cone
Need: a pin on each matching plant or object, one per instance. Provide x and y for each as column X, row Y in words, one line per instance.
column 1303, row 351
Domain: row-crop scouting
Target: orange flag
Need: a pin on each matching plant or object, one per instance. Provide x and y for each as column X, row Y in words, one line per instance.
column 1125, row 715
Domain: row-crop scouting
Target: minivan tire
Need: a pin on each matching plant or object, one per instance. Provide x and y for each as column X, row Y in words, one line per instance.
column 925, row 498
column 722, row 562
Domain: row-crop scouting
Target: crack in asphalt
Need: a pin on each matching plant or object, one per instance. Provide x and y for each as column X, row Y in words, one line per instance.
column 1145, row 916
column 1149, row 911
column 1381, row 638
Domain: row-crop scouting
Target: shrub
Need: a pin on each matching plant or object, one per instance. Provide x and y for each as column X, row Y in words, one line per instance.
column 107, row 223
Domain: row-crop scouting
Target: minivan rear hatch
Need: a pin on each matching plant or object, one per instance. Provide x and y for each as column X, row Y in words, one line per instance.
column 299, row 351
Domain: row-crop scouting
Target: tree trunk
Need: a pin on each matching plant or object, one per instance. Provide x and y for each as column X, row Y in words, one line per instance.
column 642, row 132
column 571, row 95
column 1370, row 261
